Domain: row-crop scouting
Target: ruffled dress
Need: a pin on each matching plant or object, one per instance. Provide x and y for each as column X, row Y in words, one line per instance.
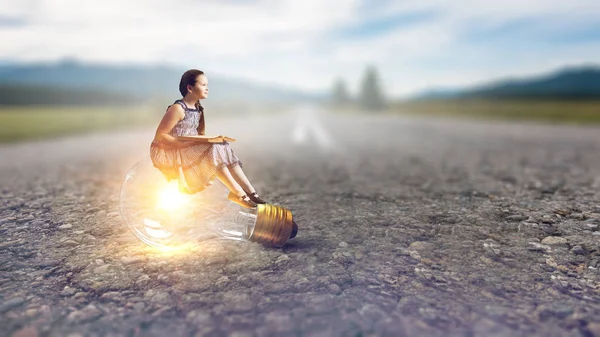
column 199, row 161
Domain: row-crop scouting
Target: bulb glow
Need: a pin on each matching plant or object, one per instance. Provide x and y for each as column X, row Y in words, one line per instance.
column 170, row 199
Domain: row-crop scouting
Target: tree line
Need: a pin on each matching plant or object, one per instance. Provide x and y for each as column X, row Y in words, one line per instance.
column 370, row 94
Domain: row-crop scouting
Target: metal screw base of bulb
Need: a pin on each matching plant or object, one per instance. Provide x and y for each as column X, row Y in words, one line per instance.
column 274, row 226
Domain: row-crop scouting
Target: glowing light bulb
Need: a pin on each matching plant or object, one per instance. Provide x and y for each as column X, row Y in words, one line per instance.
column 160, row 215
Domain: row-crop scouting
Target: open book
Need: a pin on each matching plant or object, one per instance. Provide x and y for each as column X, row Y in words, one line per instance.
column 207, row 139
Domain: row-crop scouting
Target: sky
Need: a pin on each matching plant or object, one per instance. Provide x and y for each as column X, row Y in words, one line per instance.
column 308, row 44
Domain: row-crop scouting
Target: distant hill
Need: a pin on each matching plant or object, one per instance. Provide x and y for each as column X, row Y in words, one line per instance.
column 130, row 83
column 436, row 93
column 567, row 83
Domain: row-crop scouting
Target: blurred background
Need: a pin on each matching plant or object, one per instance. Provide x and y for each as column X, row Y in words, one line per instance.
column 70, row 67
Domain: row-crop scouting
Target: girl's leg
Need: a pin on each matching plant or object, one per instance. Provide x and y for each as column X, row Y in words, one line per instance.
column 238, row 174
column 236, row 194
column 225, row 177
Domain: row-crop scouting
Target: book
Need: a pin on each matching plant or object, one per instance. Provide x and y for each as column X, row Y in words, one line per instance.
column 207, row 139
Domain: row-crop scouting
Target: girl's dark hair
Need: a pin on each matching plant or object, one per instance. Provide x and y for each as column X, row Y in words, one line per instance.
column 189, row 78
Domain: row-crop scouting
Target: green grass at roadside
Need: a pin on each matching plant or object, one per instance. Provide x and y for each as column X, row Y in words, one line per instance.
column 37, row 122
column 551, row 111
column 21, row 123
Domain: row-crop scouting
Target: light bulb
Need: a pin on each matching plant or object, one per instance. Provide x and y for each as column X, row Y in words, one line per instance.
column 160, row 215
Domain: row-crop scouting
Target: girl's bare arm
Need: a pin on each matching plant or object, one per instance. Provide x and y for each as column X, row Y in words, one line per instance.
column 173, row 115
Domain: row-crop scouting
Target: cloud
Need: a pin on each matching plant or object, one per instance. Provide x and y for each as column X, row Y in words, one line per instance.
column 306, row 44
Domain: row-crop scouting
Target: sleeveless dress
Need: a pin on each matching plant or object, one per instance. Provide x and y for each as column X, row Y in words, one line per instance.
column 199, row 161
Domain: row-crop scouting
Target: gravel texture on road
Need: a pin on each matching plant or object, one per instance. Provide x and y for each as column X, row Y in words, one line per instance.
column 407, row 227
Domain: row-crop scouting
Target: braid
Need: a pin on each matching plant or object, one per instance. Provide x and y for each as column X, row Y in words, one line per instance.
column 201, row 124
column 199, row 106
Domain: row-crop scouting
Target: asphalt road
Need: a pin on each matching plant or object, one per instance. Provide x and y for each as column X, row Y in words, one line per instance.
column 407, row 227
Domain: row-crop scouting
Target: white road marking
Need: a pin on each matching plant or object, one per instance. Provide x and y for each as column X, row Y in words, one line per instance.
column 308, row 129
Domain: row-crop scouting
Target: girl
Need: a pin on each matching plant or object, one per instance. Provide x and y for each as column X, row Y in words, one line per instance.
column 199, row 161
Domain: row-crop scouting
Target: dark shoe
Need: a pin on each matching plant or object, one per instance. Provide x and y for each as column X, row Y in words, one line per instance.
column 255, row 198
column 243, row 201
